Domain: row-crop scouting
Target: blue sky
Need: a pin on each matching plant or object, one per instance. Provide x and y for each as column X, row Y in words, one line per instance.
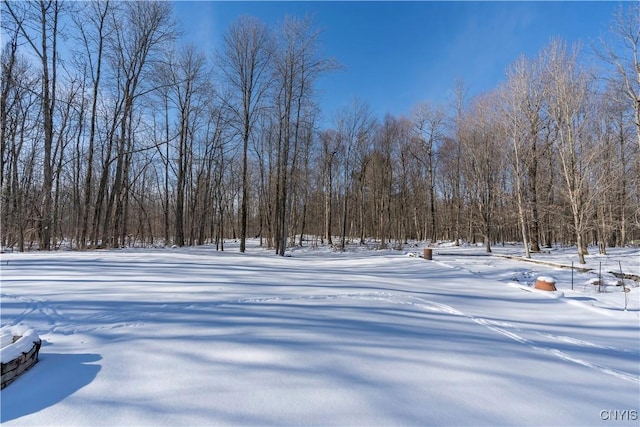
column 396, row 54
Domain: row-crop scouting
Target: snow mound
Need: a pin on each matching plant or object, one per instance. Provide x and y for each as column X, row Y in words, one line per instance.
column 12, row 350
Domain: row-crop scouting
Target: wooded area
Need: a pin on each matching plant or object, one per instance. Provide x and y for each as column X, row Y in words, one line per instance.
column 129, row 138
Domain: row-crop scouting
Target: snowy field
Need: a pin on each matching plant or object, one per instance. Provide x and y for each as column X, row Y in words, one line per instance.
column 193, row 337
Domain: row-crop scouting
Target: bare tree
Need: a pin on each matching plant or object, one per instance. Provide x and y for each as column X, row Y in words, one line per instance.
column 482, row 161
column 187, row 90
column 70, row 121
column 355, row 126
column 522, row 102
column 618, row 125
column 513, row 128
column 429, row 125
column 298, row 63
column 526, row 126
column 379, row 179
column 623, row 53
column 163, row 138
column 613, row 167
column 569, row 94
column 387, row 204
column 245, row 65
column 8, row 87
column 460, row 91
column 328, row 159
column 140, row 34
column 9, row 102
column 409, row 180
column 91, row 23
column 37, row 22
column 217, row 137
column 20, row 123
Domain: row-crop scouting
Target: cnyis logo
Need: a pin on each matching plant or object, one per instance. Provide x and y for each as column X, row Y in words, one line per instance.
column 618, row 415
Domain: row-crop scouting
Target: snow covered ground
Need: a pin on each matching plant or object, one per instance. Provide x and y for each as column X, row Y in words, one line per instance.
column 192, row 336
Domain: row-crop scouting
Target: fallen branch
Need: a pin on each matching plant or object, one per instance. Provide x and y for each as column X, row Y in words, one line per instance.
column 634, row 277
column 552, row 264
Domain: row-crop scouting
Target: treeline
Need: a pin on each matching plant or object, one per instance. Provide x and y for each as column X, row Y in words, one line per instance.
column 115, row 134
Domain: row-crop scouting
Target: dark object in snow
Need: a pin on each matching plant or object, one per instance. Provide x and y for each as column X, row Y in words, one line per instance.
column 627, row 276
column 16, row 367
column 428, row 253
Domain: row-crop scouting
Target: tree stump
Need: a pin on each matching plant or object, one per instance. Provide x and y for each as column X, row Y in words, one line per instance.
column 545, row 283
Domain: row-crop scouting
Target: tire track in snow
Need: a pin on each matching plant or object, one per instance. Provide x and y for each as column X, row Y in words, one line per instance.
column 582, row 343
column 58, row 322
column 503, row 328
column 558, row 353
column 500, row 328
column 50, row 316
column 30, row 303
column 33, row 305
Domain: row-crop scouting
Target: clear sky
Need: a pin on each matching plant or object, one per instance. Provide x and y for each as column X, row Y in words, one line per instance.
column 396, row 54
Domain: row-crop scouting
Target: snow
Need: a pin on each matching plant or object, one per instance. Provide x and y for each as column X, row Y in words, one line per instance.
column 546, row 279
column 11, row 350
column 5, row 339
column 191, row 336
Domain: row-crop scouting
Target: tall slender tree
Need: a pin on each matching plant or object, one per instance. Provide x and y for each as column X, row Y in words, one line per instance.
column 355, row 127
column 91, row 23
column 297, row 65
column 623, row 53
column 483, row 162
column 188, row 88
column 143, row 32
column 244, row 62
column 429, row 124
column 37, row 23
column 569, row 101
